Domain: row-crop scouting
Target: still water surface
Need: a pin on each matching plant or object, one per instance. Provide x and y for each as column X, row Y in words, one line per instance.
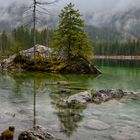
column 121, row 118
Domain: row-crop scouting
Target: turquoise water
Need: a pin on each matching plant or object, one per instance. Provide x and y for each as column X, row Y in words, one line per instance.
column 121, row 116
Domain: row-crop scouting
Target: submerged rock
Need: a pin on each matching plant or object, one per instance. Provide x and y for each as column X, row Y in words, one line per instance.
column 63, row 91
column 123, row 136
column 38, row 133
column 97, row 125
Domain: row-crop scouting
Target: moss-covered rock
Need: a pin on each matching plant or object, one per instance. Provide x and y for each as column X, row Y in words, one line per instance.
column 23, row 62
column 8, row 134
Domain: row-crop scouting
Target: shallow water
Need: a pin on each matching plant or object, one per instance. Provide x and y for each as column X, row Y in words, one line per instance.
column 116, row 119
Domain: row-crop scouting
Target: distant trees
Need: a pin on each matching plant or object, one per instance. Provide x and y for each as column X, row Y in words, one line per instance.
column 70, row 40
column 116, row 48
column 4, row 41
column 22, row 38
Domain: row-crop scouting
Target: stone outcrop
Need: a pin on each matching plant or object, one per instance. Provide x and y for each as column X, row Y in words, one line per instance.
column 38, row 133
column 24, row 56
column 43, row 51
column 45, row 60
column 98, row 96
column 106, row 95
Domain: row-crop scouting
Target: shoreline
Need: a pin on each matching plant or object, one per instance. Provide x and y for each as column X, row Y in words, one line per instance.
column 120, row 57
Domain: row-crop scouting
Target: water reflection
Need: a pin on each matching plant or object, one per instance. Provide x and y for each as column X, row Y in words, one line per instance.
column 69, row 119
column 34, row 106
column 35, row 85
column 30, row 95
column 121, row 63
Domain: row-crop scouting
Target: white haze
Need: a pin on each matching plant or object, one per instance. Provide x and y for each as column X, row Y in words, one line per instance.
column 87, row 5
column 94, row 11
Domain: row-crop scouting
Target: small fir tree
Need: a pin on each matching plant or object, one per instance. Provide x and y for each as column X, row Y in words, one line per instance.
column 70, row 39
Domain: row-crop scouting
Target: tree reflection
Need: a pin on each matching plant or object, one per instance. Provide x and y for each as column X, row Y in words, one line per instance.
column 28, row 85
column 34, row 106
column 70, row 119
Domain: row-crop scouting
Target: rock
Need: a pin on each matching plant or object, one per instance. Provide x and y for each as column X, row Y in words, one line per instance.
column 138, row 126
column 59, row 83
column 97, row 125
column 44, row 52
column 24, row 57
column 38, row 133
column 8, row 134
column 10, row 114
column 107, row 94
column 125, row 118
column 25, row 61
column 122, row 136
column 7, row 117
column 91, row 96
column 63, row 91
column 6, row 62
column 76, row 100
column 79, row 65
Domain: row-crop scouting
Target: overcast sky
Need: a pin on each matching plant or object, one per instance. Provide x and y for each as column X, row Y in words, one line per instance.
column 88, row 5
column 93, row 11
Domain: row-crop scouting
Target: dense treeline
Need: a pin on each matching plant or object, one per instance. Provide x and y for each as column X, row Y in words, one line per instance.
column 109, row 41
column 115, row 48
column 22, row 38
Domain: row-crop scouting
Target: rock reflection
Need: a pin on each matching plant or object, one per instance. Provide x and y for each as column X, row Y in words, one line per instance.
column 69, row 117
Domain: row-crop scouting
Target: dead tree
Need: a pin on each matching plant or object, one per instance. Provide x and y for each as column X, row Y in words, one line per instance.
column 37, row 7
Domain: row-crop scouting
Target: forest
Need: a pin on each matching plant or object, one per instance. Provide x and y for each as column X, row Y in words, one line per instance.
column 21, row 38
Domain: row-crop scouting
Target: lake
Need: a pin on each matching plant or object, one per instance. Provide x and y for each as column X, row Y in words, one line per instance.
column 28, row 98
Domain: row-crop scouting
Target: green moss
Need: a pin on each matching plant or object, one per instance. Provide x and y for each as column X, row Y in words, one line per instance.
column 7, row 135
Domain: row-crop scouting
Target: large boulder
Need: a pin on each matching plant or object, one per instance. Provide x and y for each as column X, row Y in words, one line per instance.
column 76, row 100
column 38, row 133
column 25, row 57
column 43, row 51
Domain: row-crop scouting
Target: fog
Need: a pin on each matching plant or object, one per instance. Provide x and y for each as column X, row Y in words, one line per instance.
column 96, row 12
column 87, row 5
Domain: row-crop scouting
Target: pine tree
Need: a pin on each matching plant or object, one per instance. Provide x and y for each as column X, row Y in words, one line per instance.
column 70, row 40
column 5, row 41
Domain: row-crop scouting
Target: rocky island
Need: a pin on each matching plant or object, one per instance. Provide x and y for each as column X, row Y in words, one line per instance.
column 45, row 61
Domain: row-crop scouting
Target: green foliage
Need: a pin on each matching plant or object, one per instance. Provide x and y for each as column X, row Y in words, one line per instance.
column 4, row 41
column 16, row 47
column 21, row 38
column 38, row 57
column 69, row 38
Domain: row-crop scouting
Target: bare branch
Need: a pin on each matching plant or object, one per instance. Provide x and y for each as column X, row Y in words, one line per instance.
column 27, row 11
column 28, row 24
column 42, row 8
